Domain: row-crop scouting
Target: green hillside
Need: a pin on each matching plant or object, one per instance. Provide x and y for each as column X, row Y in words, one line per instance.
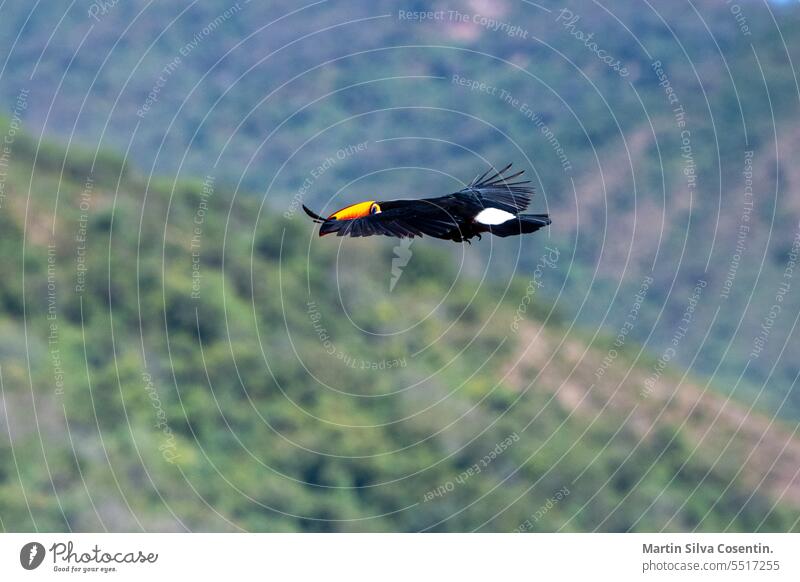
column 175, row 357
column 662, row 138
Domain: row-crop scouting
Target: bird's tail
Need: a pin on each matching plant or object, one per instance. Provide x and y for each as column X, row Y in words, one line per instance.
column 523, row 224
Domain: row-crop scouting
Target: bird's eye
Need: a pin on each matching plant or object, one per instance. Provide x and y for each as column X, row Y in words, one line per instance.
column 374, row 209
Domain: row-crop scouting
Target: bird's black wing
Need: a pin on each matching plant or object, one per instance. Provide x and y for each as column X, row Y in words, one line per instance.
column 499, row 189
column 398, row 218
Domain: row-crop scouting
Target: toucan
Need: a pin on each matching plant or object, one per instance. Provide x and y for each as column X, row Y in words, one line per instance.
column 490, row 203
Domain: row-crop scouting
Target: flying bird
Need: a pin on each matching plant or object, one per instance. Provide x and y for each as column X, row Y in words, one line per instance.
column 488, row 204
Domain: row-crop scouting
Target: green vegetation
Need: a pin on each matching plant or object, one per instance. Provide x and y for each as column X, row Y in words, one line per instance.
column 139, row 396
column 186, row 355
column 261, row 94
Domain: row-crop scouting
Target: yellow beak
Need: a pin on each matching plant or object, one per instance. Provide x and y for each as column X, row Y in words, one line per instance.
column 354, row 211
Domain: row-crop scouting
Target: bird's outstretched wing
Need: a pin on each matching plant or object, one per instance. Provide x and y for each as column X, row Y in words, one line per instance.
column 501, row 189
column 450, row 217
column 398, row 218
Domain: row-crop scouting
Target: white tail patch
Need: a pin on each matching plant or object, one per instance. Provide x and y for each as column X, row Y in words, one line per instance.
column 493, row 216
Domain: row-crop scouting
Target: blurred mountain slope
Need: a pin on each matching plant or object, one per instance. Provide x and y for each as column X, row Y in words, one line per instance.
column 264, row 95
column 174, row 357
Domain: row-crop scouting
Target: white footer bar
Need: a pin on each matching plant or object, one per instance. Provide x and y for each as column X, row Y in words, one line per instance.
column 354, row 557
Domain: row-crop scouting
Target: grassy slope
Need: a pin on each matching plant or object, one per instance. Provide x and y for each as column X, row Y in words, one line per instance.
column 260, row 444
column 604, row 116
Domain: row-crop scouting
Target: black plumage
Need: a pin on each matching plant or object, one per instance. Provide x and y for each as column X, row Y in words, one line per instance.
column 458, row 216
